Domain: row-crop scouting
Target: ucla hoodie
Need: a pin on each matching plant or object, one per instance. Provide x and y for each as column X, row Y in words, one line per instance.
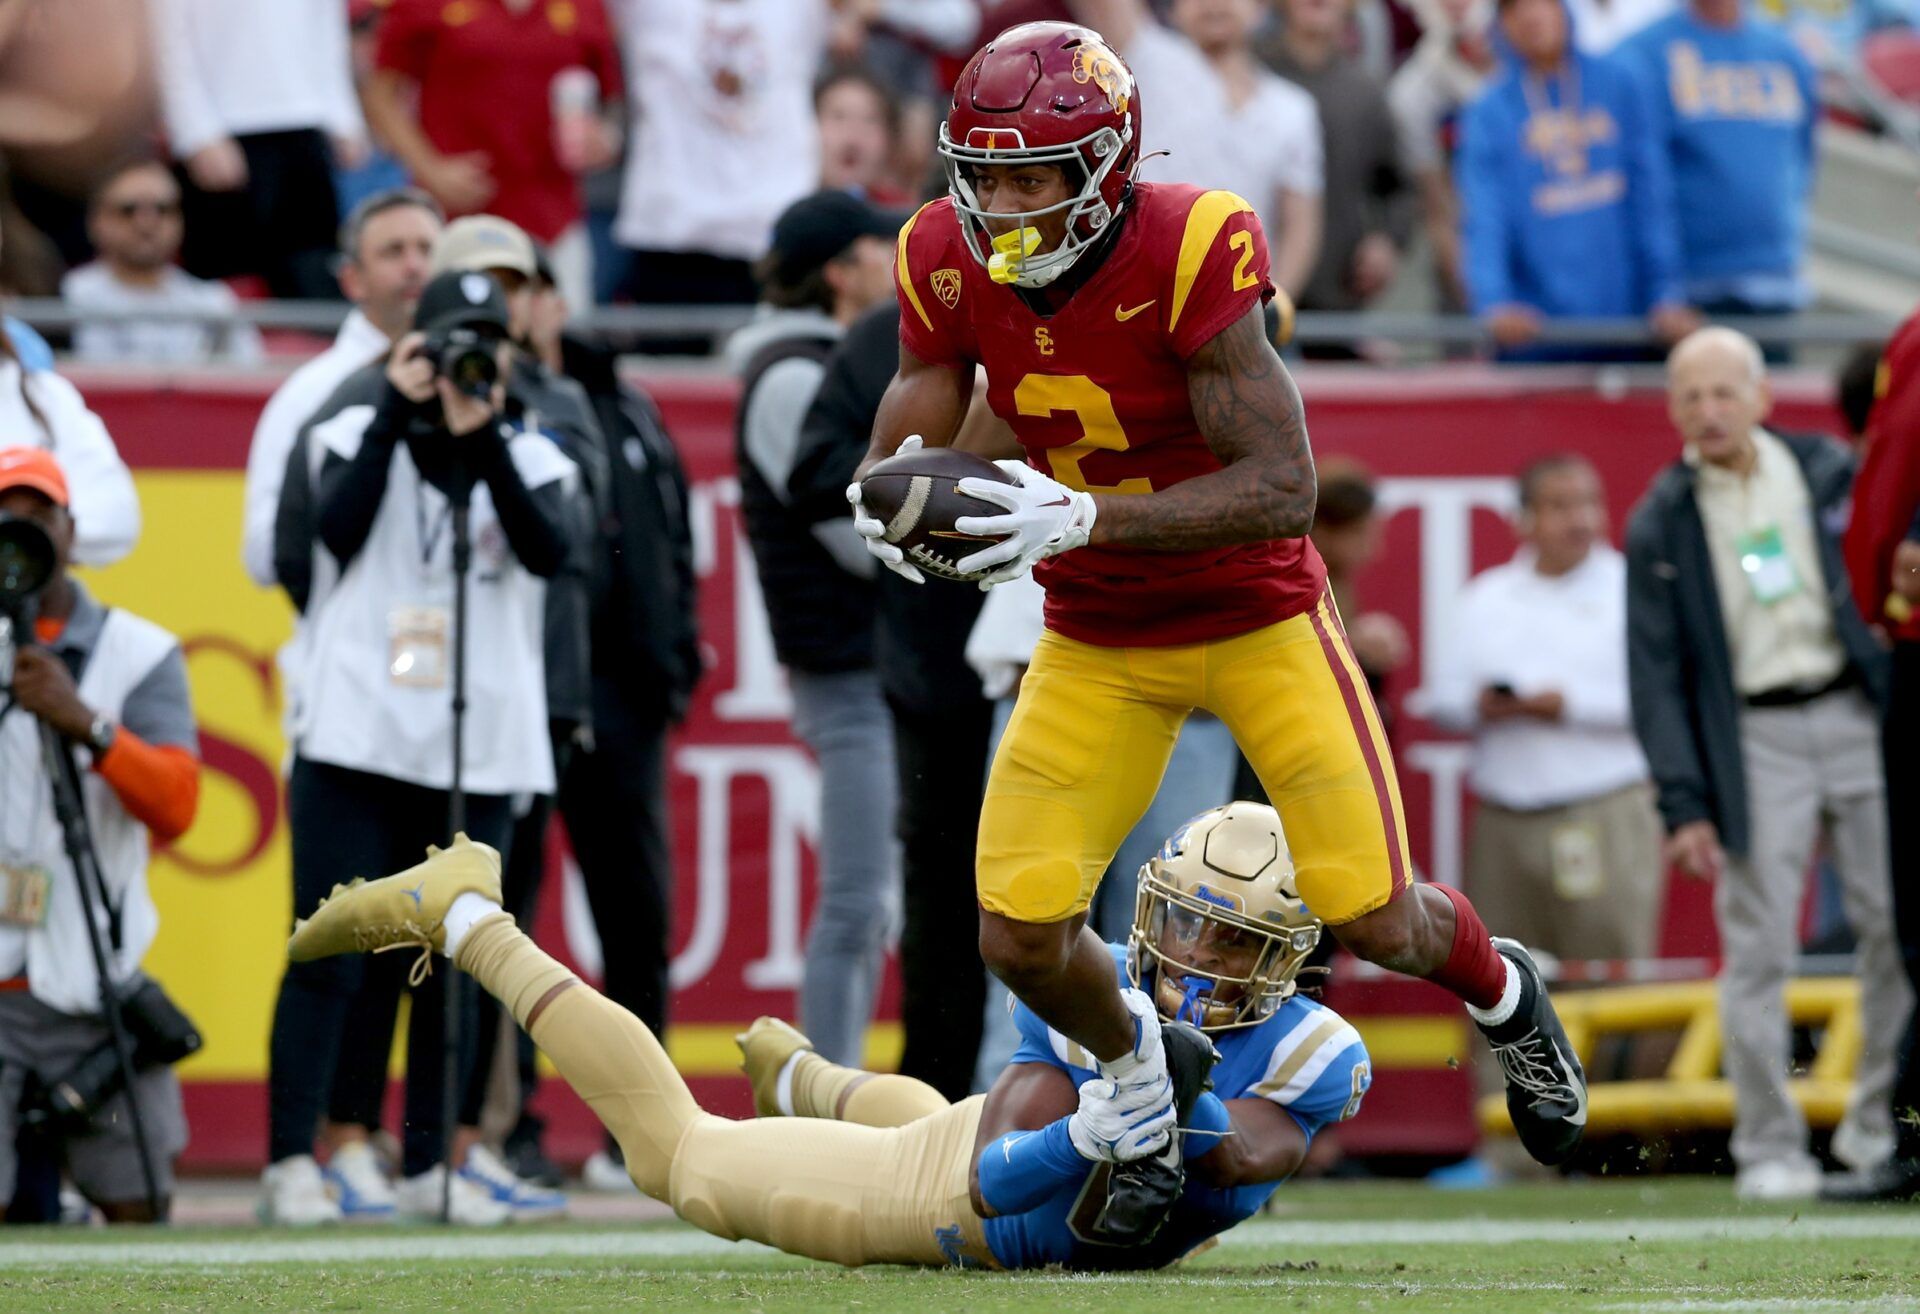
column 1563, row 197
column 1734, row 109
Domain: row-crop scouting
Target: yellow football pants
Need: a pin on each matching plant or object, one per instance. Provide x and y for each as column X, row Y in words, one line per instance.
column 1091, row 733
column 827, row 1190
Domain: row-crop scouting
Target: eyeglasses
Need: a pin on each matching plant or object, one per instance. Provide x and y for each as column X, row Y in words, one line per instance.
column 158, row 209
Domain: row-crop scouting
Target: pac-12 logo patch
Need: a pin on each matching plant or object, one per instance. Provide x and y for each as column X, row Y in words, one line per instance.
column 946, row 286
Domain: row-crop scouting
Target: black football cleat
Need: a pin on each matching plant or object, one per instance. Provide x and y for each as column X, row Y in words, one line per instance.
column 1141, row 1194
column 1893, row 1181
column 1546, row 1087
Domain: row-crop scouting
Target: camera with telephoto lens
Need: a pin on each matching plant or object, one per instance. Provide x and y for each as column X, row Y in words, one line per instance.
column 464, row 357
column 161, row 1035
column 27, row 561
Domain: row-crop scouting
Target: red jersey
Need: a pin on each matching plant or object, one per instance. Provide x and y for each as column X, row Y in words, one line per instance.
column 1886, row 492
column 1097, row 395
column 485, row 74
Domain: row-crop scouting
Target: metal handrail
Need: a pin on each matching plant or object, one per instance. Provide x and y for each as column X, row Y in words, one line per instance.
column 644, row 323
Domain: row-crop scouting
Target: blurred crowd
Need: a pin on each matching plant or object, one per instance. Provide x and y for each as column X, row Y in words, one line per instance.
column 1557, row 158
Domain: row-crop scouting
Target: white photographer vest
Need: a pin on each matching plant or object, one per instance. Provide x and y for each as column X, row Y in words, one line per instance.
column 55, row 956
column 353, row 713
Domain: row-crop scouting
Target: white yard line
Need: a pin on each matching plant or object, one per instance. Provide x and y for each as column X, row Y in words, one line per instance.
column 1310, row 1233
column 1302, row 1238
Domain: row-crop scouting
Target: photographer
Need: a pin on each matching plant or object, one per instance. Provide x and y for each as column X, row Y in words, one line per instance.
column 115, row 687
column 372, row 761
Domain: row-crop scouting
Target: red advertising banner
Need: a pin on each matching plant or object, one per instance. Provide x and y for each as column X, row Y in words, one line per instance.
column 1445, row 445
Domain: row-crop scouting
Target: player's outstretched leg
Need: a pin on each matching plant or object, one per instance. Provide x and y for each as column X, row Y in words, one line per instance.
column 790, row 1080
column 827, row 1190
column 1297, row 702
column 1432, row 931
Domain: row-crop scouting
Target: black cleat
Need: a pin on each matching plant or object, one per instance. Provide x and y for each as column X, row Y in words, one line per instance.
column 1894, row 1180
column 1546, row 1087
column 1141, row 1194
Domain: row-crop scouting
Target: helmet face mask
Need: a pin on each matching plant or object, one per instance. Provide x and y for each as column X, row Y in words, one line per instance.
column 1218, row 924
column 1086, row 212
column 1051, row 94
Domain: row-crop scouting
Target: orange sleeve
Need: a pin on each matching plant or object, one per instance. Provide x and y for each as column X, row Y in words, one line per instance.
column 159, row 786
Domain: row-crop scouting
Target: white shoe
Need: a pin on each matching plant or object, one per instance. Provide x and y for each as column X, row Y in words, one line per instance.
column 359, row 1183
column 419, row 1198
column 601, row 1173
column 526, row 1201
column 1778, row 1179
column 1861, row 1151
column 294, row 1194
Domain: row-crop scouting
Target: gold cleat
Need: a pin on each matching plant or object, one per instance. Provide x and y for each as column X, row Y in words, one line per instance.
column 398, row 911
column 765, row 1048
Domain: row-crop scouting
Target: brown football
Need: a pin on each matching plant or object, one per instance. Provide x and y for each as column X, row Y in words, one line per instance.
column 914, row 496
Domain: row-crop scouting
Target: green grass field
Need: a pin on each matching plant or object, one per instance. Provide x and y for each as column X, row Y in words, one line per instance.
column 1679, row 1245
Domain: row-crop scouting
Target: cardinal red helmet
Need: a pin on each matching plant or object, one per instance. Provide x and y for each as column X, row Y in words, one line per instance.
column 1043, row 93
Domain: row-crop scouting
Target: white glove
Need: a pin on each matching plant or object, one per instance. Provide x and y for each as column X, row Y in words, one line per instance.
column 1043, row 518
column 1119, row 1124
column 874, row 534
column 1127, row 1111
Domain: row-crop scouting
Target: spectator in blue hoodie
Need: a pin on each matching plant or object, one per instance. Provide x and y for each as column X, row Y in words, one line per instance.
column 1733, row 105
column 1563, row 194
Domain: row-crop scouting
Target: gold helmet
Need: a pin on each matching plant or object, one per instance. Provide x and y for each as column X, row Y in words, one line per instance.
column 1218, row 923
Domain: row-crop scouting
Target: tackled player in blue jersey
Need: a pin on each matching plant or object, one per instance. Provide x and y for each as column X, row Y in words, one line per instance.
column 857, row 1167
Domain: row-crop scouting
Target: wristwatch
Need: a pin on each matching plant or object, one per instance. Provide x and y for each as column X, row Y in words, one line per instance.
column 101, row 734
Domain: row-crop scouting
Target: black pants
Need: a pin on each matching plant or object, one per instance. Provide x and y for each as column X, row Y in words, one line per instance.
column 1902, row 750
column 283, row 225
column 526, row 861
column 614, row 801
column 943, row 778
column 345, row 824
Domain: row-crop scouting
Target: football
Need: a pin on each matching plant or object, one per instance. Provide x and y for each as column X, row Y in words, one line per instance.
column 915, row 495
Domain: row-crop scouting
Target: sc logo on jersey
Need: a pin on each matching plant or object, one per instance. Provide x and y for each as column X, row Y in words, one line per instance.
column 1043, row 341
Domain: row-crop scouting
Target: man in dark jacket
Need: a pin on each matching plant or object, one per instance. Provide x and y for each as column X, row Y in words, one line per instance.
column 1755, row 689
column 832, row 259
column 941, row 724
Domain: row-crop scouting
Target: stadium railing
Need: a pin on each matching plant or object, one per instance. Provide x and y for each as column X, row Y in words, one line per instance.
column 638, row 325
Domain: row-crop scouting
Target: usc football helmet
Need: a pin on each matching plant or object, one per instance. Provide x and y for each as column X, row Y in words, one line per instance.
column 1043, row 93
column 1218, row 923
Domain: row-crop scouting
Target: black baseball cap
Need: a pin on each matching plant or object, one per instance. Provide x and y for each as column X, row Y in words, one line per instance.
column 458, row 299
column 817, row 228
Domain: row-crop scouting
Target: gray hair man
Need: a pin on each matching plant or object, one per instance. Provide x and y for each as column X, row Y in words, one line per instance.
column 386, row 249
column 1755, row 686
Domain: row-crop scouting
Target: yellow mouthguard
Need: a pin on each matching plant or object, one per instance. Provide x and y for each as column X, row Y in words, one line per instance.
column 1009, row 249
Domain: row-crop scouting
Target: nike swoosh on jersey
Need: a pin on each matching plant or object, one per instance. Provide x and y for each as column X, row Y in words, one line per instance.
column 1124, row 315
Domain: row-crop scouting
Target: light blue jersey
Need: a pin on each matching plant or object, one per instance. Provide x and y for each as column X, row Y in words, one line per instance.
column 1306, row 1058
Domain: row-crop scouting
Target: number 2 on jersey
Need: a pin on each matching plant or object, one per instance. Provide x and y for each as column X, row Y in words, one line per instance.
column 1242, row 242
column 1045, row 394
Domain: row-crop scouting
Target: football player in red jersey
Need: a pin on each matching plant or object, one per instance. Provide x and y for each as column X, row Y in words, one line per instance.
column 1164, row 503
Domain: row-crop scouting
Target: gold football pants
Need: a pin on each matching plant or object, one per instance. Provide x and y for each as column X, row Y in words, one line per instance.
column 1091, row 733
column 824, row 1189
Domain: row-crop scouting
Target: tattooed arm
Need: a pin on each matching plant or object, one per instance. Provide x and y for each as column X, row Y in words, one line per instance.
column 1252, row 417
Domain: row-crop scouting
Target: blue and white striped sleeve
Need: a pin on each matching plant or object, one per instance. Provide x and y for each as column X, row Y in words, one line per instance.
column 1318, row 1072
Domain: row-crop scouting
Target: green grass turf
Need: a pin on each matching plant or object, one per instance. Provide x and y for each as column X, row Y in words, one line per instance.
column 1680, row 1245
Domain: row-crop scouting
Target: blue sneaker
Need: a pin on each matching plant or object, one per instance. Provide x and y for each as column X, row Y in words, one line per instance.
column 485, row 1170
column 359, row 1185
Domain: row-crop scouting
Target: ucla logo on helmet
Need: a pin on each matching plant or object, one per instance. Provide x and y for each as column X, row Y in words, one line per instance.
column 1093, row 62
